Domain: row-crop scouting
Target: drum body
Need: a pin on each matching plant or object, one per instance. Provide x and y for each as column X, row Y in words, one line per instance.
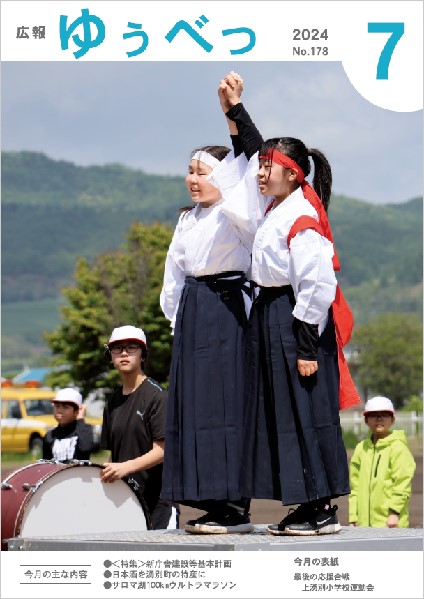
column 51, row 499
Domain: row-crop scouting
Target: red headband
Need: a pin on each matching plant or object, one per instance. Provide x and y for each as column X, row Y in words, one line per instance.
column 308, row 192
column 283, row 160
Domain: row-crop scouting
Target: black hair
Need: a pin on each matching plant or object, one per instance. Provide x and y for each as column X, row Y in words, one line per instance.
column 73, row 405
column 297, row 151
column 218, row 152
column 143, row 356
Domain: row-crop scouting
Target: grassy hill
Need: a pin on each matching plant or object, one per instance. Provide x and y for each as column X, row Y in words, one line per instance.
column 53, row 211
column 23, row 325
column 378, row 241
column 31, row 178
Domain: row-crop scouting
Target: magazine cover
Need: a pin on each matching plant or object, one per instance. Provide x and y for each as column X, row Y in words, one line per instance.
column 211, row 299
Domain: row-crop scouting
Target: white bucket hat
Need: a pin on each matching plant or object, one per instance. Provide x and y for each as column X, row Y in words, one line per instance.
column 379, row 404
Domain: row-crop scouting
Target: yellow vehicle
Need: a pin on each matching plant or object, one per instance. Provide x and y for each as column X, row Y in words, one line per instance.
column 26, row 416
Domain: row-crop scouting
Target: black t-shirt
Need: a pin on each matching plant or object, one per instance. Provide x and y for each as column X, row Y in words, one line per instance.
column 71, row 442
column 130, row 425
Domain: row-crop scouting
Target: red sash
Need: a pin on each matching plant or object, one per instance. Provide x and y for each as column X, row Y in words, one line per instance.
column 343, row 320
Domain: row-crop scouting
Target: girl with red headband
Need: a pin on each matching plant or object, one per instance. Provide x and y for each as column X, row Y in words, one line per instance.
column 297, row 378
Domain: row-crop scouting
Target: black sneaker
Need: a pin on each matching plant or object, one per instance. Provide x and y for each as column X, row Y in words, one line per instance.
column 321, row 522
column 298, row 515
column 218, row 524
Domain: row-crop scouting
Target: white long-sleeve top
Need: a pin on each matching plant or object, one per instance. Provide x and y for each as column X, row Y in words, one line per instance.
column 307, row 266
column 212, row 240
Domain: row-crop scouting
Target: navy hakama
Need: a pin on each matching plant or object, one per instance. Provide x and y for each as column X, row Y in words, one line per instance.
column 205, row 398
column 292, row 448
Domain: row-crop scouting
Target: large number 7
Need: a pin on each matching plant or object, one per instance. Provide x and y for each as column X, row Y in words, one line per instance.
column 397, row 30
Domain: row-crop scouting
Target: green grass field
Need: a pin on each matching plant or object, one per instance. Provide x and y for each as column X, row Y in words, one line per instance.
column 11, row 460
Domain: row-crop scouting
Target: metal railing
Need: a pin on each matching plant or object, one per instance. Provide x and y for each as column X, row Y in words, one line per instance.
column 410, row 422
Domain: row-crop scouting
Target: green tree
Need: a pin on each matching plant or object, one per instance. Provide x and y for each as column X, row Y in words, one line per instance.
column 118, row 288
column 414, row 404
column 390, row 358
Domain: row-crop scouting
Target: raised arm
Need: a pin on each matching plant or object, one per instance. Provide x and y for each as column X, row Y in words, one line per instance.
column 244, row 205
column 240, row 123
column 232, row 127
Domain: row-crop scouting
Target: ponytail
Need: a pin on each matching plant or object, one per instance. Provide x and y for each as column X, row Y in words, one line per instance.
column 322, row 176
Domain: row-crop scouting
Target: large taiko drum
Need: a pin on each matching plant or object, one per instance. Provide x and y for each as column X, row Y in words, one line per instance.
column 50, row 499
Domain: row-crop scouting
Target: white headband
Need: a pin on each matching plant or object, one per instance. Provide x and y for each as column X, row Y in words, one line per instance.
column 206, row 158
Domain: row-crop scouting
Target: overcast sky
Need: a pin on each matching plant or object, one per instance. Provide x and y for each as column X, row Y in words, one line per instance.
column 150, row 115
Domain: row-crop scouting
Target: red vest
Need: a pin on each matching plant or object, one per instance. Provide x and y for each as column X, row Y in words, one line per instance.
column 343, row 320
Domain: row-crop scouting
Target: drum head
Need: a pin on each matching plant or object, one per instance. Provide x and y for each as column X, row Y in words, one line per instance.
column 75, row 501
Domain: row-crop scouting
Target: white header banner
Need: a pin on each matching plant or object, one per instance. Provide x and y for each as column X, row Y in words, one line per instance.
column 380, row 44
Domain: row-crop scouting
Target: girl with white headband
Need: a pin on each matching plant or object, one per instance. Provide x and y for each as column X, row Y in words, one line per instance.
column 297, row 378
column 204, row 297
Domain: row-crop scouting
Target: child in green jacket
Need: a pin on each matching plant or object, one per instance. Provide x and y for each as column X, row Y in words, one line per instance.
column 381, row 471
